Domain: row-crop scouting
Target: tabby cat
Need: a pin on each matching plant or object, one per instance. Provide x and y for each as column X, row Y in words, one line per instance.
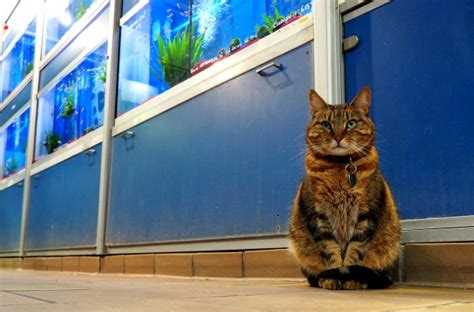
column 344, row 227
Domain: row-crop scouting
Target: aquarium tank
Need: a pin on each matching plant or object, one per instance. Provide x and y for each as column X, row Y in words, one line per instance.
column 74, row 106
column 17, row 61
column 61, row 16
column 166, row 42
column 13, row 142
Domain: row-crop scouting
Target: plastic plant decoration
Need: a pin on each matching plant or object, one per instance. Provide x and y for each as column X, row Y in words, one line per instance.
column 11, row 166
column 271, row 21
column 52, row 142
column 29, row 68
column 101, row 72
column 69, row 104
column 234, row 44
column 81, row 9
column 178, row 55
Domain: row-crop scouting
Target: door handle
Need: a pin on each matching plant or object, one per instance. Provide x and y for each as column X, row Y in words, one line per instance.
column 127, row 135
column 90, row 152
column 262, row 71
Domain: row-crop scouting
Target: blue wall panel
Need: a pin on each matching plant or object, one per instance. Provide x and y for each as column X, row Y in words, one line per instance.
column 11, row 200
column 225, row 163
column 64, row 201
column 417, row 56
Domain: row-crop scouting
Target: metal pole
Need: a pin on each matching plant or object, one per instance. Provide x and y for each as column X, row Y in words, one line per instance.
column 40, row 20
column 328, row 57
column 109, row 118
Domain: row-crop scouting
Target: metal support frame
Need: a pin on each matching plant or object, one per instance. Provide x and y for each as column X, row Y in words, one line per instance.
column 32, row 128
column 328, row 57
column 109, row 119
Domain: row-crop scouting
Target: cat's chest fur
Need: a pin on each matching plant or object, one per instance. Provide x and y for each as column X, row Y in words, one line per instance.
column 342, row 209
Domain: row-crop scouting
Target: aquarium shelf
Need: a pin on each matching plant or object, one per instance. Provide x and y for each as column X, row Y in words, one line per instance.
column 92, row 12
column 13, row 143
column 81, row 145
column 163, row 43
column 71, row 106
column 264, row 50
column 15, row 92
column 17, row 63
column 12, row 180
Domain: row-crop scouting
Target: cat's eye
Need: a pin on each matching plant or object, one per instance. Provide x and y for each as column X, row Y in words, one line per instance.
column 326, row 125
column 351, row 124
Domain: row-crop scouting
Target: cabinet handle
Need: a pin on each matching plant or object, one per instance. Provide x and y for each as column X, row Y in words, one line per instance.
column 36, row 176
column 262, row 70
column 127, row 135
column 90, row 152
column 19, row 183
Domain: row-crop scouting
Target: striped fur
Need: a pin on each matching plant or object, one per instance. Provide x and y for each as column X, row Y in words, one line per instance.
column 344, row 236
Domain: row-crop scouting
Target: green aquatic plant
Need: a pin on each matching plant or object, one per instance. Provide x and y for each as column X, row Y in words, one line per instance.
column 52, row 142
column 11, row 166
column 263, row 31
column 178, row 55
column 88, row 129
column 272, row 20
column 82, row 8
column 101, row 72
column 29, row 68
column 234, row 44
column 69, row 104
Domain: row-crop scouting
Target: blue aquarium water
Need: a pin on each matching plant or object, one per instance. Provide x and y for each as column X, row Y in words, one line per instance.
column 61, row 16
column 17, row 63
column 74, row 106
column 159, row 49
column 13, row 141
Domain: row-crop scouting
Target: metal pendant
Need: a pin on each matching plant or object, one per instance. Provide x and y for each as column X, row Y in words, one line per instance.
column 351, row 170
column 351, row 177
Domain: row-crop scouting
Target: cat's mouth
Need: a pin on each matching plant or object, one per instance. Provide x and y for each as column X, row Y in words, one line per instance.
column 340, row 149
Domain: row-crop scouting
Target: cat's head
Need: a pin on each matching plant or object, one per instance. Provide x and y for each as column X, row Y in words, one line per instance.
column 340, row 130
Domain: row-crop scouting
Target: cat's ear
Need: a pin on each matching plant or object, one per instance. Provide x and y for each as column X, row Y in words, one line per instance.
column 362, row 100
column 316, row 102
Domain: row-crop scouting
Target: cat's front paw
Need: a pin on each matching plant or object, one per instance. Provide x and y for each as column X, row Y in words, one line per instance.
column 329, row 283
column 353, row 285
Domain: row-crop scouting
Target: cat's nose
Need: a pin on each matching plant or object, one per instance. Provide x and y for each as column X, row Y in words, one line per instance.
column 338, row 139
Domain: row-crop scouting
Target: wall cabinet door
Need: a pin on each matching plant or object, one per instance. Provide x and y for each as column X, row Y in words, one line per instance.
column 418, row 58
column 11, row 200
column 64, row 201
column 226, row 163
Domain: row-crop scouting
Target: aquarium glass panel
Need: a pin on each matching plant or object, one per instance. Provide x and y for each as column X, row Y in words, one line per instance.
column 159, row 49
column 61, row 16
column 18, row 62
column 154, row 52
column 127, row 5
column 229, row 26
column 74, row 106
column 13, row 142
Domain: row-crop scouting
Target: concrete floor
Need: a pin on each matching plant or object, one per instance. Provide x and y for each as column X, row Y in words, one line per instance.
column 51, row 291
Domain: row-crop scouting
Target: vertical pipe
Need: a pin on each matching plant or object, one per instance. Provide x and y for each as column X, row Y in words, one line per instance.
column 328, row 57
column 109, row 118
column 40, row 20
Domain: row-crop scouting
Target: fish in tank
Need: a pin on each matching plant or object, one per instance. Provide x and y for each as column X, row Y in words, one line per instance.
column 74, row 106
column 17, row 61
column 61, row 16
column 13, row 143
column 166, row 42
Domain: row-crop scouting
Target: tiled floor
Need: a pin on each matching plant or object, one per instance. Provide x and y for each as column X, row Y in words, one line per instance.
column 49, row 291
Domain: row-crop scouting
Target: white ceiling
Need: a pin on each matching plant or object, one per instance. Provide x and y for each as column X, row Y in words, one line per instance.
column 6, row 6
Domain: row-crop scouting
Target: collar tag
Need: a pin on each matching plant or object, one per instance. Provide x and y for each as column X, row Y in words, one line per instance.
column 351, row 170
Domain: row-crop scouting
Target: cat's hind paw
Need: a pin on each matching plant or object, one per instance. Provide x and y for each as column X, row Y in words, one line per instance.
column 329, row 283
column 353, row 285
